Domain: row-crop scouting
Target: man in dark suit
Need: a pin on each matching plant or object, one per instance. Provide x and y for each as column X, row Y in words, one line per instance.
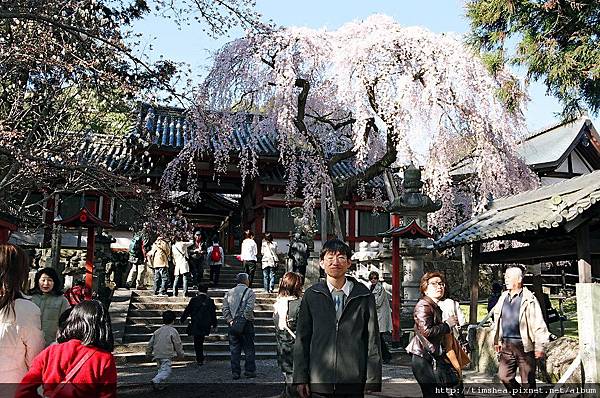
column 204, row 317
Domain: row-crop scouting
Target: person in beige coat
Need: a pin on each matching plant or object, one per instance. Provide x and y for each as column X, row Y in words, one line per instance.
column 164, row 345
column 520, row 333
column 384, row 313
column 21, row 337
column 158, row 259
column 182, row 267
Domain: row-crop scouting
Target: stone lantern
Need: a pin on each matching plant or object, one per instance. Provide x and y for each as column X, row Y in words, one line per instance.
column 410, row 243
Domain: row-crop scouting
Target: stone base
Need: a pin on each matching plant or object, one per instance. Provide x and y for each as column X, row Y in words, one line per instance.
column 312, row 271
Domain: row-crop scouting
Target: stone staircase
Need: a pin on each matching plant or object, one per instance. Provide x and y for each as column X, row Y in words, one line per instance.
column 144, row 317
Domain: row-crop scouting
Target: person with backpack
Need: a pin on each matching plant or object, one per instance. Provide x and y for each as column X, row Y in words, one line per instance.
column 138, row 248
column 216, row 258
column 203, row 312
column 179, row 250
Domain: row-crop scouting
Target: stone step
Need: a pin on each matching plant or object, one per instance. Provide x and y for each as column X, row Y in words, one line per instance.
column 214, row 346
column 140, row 356
column 148, row 295
column 222, row 328
column 152, row 302
column 213, row 338
column 157, row 320
column 147, row 309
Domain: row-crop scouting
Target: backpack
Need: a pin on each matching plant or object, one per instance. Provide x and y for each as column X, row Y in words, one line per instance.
column 135, row 246
column 215, row 255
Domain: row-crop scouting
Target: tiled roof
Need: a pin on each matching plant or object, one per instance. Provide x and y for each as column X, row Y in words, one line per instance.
column 550, row 146
column 542, row 148
column 170, row 129
column 544, row 208
column 110, row 151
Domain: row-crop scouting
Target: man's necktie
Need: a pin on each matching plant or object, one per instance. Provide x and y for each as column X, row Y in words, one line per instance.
column 339, row 303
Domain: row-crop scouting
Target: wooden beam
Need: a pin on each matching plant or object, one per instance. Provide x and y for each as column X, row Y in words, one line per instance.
column 584, row 254
column 474, row 283
column 536, row 254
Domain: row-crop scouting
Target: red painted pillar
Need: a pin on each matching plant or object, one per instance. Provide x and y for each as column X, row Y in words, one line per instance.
column 395, row 281
column 89, row 260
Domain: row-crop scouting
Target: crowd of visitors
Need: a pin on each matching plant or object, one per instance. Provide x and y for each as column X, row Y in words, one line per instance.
column 331, row 336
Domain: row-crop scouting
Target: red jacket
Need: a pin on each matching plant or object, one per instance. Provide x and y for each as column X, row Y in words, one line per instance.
column 96, row 378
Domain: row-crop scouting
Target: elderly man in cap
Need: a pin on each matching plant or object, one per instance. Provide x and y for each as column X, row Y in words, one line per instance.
column 239, row 303
column 196, row 255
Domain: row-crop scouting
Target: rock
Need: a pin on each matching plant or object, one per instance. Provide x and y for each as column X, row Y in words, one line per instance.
column 560, row 353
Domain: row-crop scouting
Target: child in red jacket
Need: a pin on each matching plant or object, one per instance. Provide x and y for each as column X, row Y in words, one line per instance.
column 81, row 364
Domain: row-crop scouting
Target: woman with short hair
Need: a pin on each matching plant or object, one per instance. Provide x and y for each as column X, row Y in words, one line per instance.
column 427, row 346
column 48, row 295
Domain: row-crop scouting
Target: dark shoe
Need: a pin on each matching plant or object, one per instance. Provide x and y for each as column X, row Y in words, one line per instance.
column 250, row 375
column 235, row 376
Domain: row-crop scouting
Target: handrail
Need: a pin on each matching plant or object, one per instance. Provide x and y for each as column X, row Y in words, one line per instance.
column 563, row 379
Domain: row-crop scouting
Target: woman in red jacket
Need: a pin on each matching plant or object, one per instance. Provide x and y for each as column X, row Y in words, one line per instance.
column 81, row 364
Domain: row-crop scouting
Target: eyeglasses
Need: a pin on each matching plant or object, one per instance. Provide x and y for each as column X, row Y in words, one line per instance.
column 437, row 284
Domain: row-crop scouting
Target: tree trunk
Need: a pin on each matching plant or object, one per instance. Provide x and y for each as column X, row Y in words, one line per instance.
column 335, row 212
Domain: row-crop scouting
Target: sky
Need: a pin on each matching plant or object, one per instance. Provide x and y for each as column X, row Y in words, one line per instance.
column 189, row 44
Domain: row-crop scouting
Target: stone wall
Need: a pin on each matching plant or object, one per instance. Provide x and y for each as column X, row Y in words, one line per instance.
column 559, row 356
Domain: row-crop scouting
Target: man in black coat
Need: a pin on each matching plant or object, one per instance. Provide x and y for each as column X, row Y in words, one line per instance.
column 337, row 350
column 204, row 317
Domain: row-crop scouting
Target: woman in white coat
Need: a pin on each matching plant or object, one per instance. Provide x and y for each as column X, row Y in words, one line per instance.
column 21, row 337
column 384, row 313
column 179, row 251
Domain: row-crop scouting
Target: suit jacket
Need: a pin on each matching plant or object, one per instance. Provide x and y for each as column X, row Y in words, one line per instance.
column 342, row 356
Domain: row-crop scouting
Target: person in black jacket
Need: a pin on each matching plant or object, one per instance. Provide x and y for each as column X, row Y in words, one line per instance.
column 337, row 348
column 429, row 333
column 204, row 316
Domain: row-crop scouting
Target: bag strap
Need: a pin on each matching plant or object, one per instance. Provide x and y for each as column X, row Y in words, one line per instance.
column 287, row 327
column 237, row 312
column 271, row 250
column 72, row 373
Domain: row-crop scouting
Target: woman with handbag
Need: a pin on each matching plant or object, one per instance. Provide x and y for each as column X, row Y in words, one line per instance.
column 269, row 262
column 285, row 316
column 429, row 363
column 81, row 364
column 248, row 254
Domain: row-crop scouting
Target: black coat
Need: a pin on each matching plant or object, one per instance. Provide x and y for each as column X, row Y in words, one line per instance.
column 342, row 356
column 203, row 313
column 285, row 341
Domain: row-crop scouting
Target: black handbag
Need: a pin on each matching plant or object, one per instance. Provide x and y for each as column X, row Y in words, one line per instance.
column 444, row 373
column 239, row 322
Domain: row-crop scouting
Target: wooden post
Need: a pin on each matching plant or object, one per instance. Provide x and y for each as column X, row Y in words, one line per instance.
column 538, row 291
column 89, row 259
column 584, row 254
column 474, row 283
column 396, row 281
